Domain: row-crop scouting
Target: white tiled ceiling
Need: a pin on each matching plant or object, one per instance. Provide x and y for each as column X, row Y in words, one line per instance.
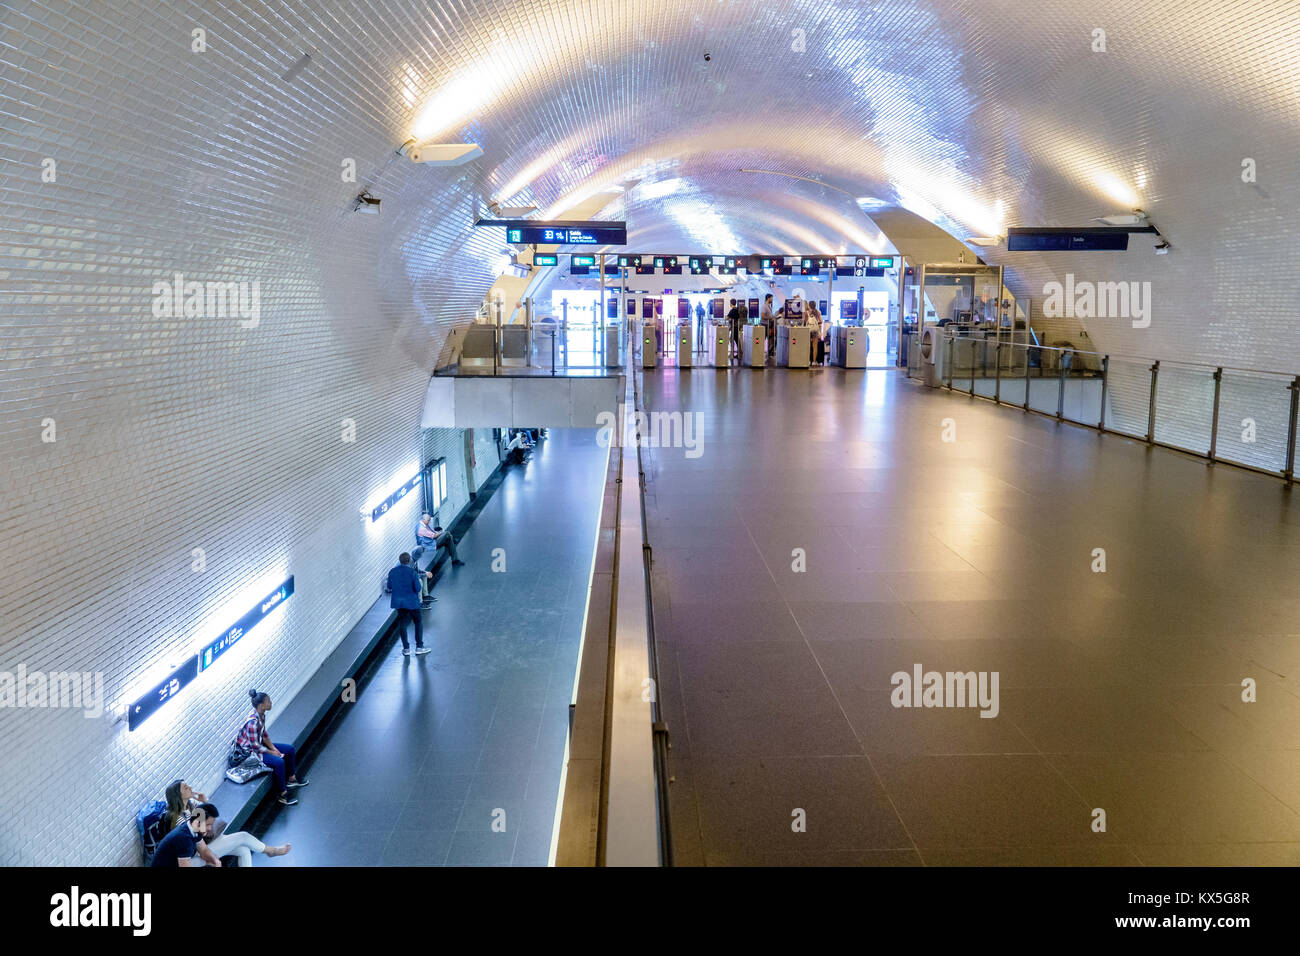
column 978, row 113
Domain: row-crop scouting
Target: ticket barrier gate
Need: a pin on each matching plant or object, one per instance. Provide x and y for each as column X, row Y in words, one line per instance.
column 753, row 345
column 719, row 345
column 685, row 357
column 649, row 345
column 849, row 346
column 612, row 357
column 792, row 348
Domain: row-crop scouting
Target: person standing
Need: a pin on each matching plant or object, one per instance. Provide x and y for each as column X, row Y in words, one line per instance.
column 699, row 327
column 404, row 591
column 733, row 318
column 769, row 323
column 814, row 319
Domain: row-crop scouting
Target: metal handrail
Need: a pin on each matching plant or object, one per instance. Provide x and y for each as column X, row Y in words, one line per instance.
column 1164, row 363
column 1067, row 368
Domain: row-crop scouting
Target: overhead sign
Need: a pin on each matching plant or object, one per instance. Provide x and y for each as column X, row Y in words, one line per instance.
column 881, row 262
column 149, row 703
column 665, row 262
column 545, row 259
column 582, row 260
column 629, row 262
column 1058, row 239
column 561, row 232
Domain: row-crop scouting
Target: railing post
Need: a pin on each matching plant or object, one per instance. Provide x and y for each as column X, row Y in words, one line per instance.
column 997, row 373
column 1294, row 389
column 1151, row 404
column 949, row 357
column 1214, row 420
column 1026, row 378
column 554, row 331
column 972, row 368
column 1060, row 388
column 1105, row 380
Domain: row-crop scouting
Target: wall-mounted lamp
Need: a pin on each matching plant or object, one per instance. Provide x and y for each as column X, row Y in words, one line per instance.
column 440, row 154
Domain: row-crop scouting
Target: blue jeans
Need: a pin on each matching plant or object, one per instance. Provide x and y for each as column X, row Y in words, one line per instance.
column 282, row 767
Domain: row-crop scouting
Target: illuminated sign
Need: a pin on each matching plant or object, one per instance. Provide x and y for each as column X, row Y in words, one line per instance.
column 561, row 233
column 881, row 262
column 665, row 262
column 629, row 262
column 209, row 654
column 582, row 260
column 148, row 704
column 382, row 509
column 545, row 259
column 700, row 265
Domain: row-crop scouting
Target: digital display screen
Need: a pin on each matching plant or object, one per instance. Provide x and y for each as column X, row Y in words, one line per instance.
column 582, row 260
column 700, row 265
column 545, row 259
column 665, row 262
column 645, row 270
column 881, row 262
column 555, row 234
column 629, row 262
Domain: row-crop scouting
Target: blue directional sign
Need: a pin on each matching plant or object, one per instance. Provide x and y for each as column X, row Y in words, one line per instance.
column 382, row 508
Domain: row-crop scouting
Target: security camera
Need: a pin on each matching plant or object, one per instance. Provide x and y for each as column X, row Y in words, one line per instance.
column 707, row 56
column 1162, row 247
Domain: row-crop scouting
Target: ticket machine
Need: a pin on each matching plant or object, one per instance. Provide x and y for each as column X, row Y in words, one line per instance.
column 719, row 344
column 792, row 348
column 753, row 346
column 849, row 346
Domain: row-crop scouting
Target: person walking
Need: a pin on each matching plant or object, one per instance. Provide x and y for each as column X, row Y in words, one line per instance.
column 404, row 588
column 699, row 327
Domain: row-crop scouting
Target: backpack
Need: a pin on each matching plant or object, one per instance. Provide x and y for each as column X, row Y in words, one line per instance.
column 149, row 826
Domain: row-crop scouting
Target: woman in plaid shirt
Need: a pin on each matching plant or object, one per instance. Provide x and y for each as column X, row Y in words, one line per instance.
column 253, row 738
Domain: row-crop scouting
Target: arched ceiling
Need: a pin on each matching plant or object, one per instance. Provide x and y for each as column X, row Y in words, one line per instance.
column 971, row 115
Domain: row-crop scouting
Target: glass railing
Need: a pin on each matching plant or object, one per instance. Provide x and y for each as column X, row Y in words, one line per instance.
column 541, row 347
column 1245, row 417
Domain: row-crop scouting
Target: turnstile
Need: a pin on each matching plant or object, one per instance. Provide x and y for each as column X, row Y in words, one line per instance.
column 612, row 357
column 719, row 345
column 792, row 349
column 683, row 339
column 753, row 345
column 649, row 345
column 849, row 346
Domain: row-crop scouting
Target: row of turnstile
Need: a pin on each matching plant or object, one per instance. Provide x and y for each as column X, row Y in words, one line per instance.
column 848, row 346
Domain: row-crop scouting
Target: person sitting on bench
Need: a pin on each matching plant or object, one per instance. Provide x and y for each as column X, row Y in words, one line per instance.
column 429, row 535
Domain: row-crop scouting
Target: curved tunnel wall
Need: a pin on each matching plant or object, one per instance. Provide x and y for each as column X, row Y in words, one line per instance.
column 130, row 155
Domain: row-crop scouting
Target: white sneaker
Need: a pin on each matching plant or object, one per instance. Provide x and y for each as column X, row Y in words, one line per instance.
column 423, row 650
column 406, row 652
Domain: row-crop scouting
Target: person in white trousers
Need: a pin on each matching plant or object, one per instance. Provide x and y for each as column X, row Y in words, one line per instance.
column 240, row 845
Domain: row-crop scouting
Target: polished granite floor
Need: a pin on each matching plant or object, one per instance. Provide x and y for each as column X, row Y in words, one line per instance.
column 1119, row 691
column 436, row 748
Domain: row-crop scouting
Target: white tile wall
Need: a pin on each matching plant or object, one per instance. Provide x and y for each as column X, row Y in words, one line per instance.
column 175, row 433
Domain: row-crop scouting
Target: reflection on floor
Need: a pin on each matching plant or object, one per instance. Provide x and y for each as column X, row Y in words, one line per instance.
column 1119, row 691
column 436, row 748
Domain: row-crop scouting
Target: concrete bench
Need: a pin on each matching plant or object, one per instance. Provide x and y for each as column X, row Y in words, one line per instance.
column 312, row 706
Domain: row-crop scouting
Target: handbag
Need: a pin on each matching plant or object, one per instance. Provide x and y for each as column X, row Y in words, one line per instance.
column 250, row 767
column 236, row 756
